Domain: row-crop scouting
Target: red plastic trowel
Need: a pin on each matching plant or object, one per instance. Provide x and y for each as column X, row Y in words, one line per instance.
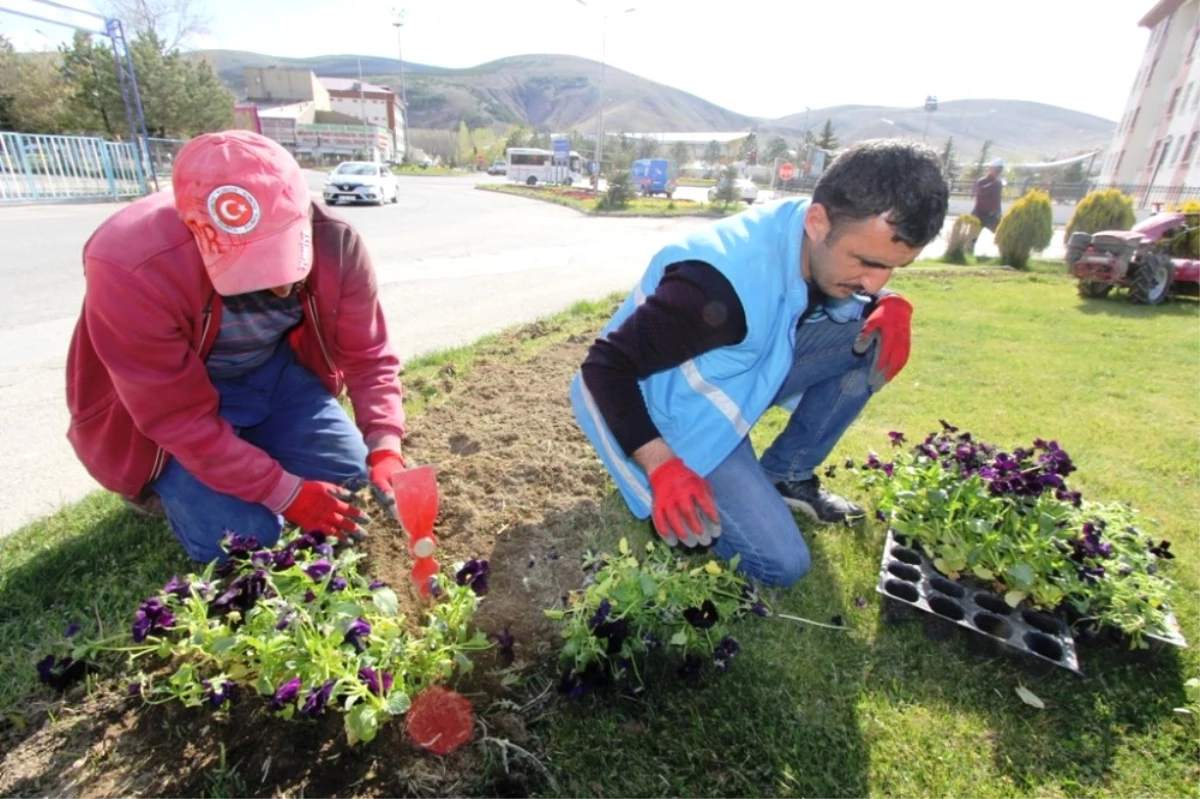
column 417, row 508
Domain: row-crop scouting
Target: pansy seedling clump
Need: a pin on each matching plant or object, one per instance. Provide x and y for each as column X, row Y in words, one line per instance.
column 1010, row 520
column 628, row 608
column 302, row 627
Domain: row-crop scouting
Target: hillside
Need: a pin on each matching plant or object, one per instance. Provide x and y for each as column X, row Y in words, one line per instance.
column 559, row 93
column 1017, row 128
column 228, row 65
column 548, row 92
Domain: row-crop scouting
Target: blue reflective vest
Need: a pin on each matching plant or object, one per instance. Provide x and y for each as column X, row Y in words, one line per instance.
column 707, row 405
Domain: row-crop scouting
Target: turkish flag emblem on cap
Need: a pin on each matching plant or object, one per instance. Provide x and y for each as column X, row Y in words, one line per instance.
column 233, row 209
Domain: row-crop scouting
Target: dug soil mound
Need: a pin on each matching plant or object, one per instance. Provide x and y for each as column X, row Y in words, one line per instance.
column 520, row 486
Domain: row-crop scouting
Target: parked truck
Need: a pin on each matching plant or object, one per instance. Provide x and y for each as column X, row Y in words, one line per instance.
column 655, row 176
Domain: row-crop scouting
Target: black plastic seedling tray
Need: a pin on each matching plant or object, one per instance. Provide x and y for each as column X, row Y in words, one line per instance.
column 909, row 583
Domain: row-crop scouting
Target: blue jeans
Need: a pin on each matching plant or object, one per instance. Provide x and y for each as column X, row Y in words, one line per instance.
column 755, row 522
column 283, row 409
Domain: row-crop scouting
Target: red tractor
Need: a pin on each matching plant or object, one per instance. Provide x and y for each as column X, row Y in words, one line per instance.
column 1139, row 260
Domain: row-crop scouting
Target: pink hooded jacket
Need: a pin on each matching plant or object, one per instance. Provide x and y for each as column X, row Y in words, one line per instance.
column 137, row 387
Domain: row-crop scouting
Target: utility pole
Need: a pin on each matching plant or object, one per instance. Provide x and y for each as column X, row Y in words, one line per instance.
column 398, row 23
column 600, row 115
column 362, row 108
column 931, row 104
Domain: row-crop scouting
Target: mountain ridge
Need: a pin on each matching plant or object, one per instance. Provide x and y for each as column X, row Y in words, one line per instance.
column 560, row 92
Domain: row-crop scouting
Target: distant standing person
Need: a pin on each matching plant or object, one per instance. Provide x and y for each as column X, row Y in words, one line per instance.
column 987, row 196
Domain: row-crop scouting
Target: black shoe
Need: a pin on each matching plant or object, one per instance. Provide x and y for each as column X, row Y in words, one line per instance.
column 809, row 498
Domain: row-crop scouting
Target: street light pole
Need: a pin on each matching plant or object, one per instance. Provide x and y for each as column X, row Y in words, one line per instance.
column 398, row 22
column 931, row 104
column 603, row 60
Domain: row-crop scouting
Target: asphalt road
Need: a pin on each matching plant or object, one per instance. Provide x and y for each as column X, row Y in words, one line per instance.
column 453, row 264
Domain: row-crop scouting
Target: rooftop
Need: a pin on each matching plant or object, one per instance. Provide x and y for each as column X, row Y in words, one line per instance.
column 351, row 85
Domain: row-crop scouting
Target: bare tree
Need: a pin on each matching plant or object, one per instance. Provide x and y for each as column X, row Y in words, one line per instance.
column 176, row 22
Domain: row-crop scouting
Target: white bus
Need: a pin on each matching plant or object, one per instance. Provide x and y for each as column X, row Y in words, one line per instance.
column 532, row 166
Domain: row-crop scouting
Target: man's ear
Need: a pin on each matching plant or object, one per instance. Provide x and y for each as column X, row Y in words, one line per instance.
column 816, row 223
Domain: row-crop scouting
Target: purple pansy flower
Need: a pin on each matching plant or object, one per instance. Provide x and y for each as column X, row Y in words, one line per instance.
column 239, row 546
column 602, row 611
column 615, row 631
column 152, row 618
column 72, row 629
column 60, row 674
column 724, row 652
column 317, row 699
column 218, row 695
column 702, row 617
column 177, row 586
column 356, row 634
column 897, row 438
column 1162, row 550
column 378, row 683
column 474, row 573
column 286, row 694
column 319, row 569
column 242, row 593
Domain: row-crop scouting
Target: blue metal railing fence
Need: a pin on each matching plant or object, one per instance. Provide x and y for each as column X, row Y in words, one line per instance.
column 47, row 168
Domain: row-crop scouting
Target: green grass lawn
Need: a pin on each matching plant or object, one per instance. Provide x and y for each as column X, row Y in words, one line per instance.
column 585, row 201
column 873, row 710
column 432, row 171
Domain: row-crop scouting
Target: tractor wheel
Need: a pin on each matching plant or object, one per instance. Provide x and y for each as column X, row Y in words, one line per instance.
column 1094, row 289
column 1151, row 281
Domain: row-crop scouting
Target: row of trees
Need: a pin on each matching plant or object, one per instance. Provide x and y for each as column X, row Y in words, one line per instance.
column 76, row 90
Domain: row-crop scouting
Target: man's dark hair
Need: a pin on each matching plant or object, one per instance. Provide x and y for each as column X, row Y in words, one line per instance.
column 903, row 179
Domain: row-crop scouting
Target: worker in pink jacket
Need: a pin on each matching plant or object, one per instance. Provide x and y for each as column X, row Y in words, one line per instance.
column 218, row 327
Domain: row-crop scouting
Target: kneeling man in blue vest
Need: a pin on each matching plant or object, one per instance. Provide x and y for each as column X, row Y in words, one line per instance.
column 780, row 305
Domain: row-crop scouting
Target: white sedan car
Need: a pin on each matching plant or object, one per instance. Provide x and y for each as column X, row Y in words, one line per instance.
column 363, row 182
column 746, row 190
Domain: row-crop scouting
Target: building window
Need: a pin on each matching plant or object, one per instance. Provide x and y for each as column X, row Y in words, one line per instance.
column 1191, row 147
column 1187, row 95
column 1153, row 155
column 1192, row 50
column 1174, row 102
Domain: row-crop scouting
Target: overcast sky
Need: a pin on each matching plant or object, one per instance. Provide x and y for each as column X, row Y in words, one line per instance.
column 763, row 58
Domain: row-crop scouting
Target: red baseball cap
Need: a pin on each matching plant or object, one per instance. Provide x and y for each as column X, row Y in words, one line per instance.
column 247, row 203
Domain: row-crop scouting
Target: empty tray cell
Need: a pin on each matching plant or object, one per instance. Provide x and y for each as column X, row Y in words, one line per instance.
column 944, row 606
column 909, row 574
column 906, row 591
column 906, row 555
column 944, row 586
column 993, row 604
column 993, row 625
column 1044, row 645
column 1042, row 621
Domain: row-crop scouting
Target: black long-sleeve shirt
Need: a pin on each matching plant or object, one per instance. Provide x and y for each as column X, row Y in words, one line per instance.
column 694, row 309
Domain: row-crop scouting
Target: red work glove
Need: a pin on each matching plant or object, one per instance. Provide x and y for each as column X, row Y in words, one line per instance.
column 324, row 508
column 890, row 325
column 384, row 463
column 683, row 505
